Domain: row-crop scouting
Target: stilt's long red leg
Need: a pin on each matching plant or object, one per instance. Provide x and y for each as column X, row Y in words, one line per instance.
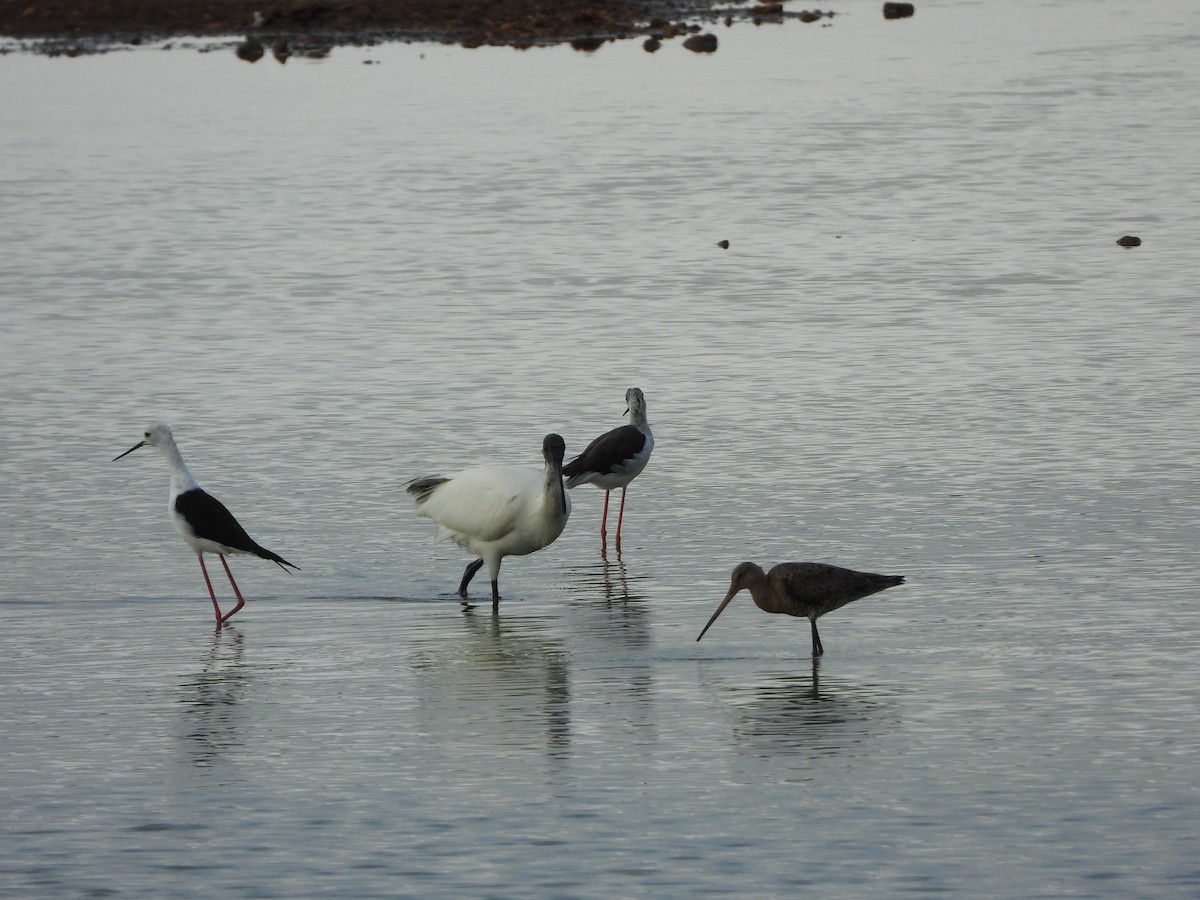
column 604, row 521
column 241, row 600
column 621, row 515
column 211, row 593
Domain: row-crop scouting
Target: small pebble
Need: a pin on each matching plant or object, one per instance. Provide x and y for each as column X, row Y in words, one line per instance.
column 1130, row 241
column 251, row 50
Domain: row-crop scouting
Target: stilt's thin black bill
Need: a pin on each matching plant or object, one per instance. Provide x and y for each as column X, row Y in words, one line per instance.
column 130, row 450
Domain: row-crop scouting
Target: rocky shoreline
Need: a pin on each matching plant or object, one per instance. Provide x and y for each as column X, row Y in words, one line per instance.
column 313, row 27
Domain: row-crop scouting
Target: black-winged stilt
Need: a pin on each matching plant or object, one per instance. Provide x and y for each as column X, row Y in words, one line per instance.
column 807, row 589
column 203, row 521
column 495, row 512
column 615, row 458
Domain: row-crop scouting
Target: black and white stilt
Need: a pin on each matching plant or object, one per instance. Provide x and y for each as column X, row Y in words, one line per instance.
column 615, row 458
column 203, row 521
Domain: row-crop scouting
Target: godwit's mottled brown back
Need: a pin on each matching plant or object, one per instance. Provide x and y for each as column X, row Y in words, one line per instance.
column 814, row 589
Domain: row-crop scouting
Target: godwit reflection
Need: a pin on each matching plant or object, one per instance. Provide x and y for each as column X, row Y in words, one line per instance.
column 807, row 715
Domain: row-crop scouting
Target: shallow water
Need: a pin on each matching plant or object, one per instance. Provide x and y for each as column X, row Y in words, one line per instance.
column 922, row 353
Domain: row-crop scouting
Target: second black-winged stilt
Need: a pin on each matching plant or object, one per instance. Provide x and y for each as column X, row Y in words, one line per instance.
column 615, row 458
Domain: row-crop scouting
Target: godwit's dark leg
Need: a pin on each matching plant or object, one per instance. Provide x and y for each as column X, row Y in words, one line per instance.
column 211, row 592
column 621, row 515
column 604, row 521
column 472, row 568
column 241, row 600
column 818, row 650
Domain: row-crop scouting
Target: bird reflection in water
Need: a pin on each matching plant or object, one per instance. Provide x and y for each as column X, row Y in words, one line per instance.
column 608, row 579
column 799, row 714
column 211, row 699
column 504, row 682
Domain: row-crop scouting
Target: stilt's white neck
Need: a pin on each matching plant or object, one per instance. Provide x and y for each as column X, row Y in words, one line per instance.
column 181, row 478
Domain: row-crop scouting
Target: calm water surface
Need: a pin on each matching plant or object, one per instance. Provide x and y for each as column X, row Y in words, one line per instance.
column 922, row 353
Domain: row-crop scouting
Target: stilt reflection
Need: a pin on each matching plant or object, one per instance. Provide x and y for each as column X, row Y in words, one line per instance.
column 211, row 699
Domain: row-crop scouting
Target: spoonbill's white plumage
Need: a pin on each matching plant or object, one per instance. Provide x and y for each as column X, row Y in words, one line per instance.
column 202, row 520
column 803, row 589
column 615, row 458
column 494, row 511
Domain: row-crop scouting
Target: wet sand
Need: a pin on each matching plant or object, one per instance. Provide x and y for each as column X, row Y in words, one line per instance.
column 311, row 27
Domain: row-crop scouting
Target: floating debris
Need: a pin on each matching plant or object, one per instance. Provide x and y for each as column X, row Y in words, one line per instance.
column 898, row 10
column 1130, row 240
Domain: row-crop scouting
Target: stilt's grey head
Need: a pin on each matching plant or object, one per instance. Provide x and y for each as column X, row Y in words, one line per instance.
column 635, row 405
column 157, row 435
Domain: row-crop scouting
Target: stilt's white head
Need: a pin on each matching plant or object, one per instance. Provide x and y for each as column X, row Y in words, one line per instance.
column 158, row 435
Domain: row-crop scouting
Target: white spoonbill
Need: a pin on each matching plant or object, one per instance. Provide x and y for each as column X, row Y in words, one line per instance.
column 615, row 458
column 203, row 521
column 806, row 589
column 495, row 512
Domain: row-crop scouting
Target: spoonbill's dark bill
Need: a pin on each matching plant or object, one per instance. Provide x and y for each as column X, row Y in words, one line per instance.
column 203, row 521
column 495, row 512
column 806, row 589
column 615, row 458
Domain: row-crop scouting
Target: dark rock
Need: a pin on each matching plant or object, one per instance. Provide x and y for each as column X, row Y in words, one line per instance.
column 281, row 50
column 724, row 245
column 651, row 45
column 1130, row 241
column 251, row 50
column 588, row 44
column 701, row 43
column 898, row 10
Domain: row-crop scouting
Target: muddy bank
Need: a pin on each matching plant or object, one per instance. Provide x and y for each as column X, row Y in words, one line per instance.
column 89, row 26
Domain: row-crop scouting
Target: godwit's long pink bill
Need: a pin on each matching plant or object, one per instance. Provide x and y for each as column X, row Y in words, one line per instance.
column 808, row 590
column 614, row 459
column 202, row 520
